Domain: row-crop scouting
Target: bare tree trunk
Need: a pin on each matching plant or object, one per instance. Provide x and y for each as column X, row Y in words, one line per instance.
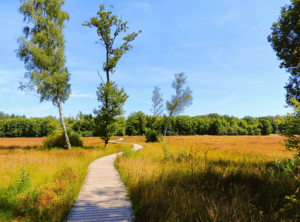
column 166, row 127
column 106, row 142
column 63, row 123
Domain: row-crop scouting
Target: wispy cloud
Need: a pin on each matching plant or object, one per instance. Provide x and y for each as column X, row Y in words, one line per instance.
column 226, row 100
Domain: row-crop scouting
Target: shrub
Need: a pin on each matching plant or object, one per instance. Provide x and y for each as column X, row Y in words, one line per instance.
column 151, row 136
column 87, row 134
column 57, row 139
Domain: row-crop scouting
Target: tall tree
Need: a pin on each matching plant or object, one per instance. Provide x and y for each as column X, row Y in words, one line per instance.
column 182, row 99
column 157, row 107
column 107, row 92
column 284, row 39
column 112, row 101
column 43, row 53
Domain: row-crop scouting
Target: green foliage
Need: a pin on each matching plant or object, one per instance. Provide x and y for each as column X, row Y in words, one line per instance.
column 157, row 102
column 8, row 196
column 136, row 124
column 257, row 131
column 290, row 127
column 43, row 53
column 151, row 135
column 215, row 127
column 57, row 139
column 182, row 99
column 85, row 127
column 185, row 125
column 120, row 126
column 265, row 127
column 112, row 101
column 103, row 22
column 284, row 40
column 108, row 94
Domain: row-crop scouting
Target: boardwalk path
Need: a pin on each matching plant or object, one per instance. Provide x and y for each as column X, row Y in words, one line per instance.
column 102, row 196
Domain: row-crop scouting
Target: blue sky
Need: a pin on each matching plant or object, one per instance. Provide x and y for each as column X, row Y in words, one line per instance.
column 220, row 45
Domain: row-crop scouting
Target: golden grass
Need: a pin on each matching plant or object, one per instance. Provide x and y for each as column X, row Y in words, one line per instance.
column 55, row 176
column 209, row 178
column 37, row 142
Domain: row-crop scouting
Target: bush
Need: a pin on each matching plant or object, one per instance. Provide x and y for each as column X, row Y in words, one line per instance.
column 151, row 136
column 57, row 139
column 87, row 134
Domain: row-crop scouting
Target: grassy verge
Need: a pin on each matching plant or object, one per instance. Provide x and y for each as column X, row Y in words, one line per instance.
column 42, row 185
column 212, row 179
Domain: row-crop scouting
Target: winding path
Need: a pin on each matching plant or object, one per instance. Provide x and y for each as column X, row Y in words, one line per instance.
column 103, row 195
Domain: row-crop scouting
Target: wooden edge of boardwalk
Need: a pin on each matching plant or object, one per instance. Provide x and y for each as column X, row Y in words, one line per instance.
column 103, row 194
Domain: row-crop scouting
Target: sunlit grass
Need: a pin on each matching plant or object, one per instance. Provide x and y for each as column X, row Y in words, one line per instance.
column 210, row 178
column 28, row 143
column 42, row 185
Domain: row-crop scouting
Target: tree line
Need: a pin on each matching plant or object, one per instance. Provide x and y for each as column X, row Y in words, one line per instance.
column 137, row 124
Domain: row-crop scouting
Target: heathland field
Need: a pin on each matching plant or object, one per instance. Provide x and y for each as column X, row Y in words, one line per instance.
column 211, row 178
column 186, row 178
column 42, row 185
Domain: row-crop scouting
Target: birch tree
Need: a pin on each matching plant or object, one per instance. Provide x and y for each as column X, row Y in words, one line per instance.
column 109, row 95
column 42, row 49
column 182, row 99
column 157, row 107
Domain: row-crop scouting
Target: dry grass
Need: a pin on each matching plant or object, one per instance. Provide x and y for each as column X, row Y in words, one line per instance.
column 40, row 185
column 6, row 143
column 210, row 178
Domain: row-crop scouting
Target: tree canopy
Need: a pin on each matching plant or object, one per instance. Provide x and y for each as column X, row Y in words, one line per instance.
column 182, row 99
column 109, row 95
column 284, row 39
column 43, row 53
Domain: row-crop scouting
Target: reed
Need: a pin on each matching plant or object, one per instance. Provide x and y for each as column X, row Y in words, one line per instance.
column 212, row 178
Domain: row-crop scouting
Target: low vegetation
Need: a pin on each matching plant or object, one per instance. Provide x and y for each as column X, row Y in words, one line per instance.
column 212, row 178
column 42, row 185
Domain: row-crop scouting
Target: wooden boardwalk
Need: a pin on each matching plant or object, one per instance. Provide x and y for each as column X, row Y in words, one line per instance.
column 103, row 195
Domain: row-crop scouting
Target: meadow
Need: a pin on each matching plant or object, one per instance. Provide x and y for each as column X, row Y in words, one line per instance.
column 212, row 178
column 42, row 185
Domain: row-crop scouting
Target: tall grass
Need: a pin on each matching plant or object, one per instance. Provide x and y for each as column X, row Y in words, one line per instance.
column 42, row 185
column 212, row 179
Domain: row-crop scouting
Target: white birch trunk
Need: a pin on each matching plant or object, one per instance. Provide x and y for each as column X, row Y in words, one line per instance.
column 166, row 127
column 63, row 123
